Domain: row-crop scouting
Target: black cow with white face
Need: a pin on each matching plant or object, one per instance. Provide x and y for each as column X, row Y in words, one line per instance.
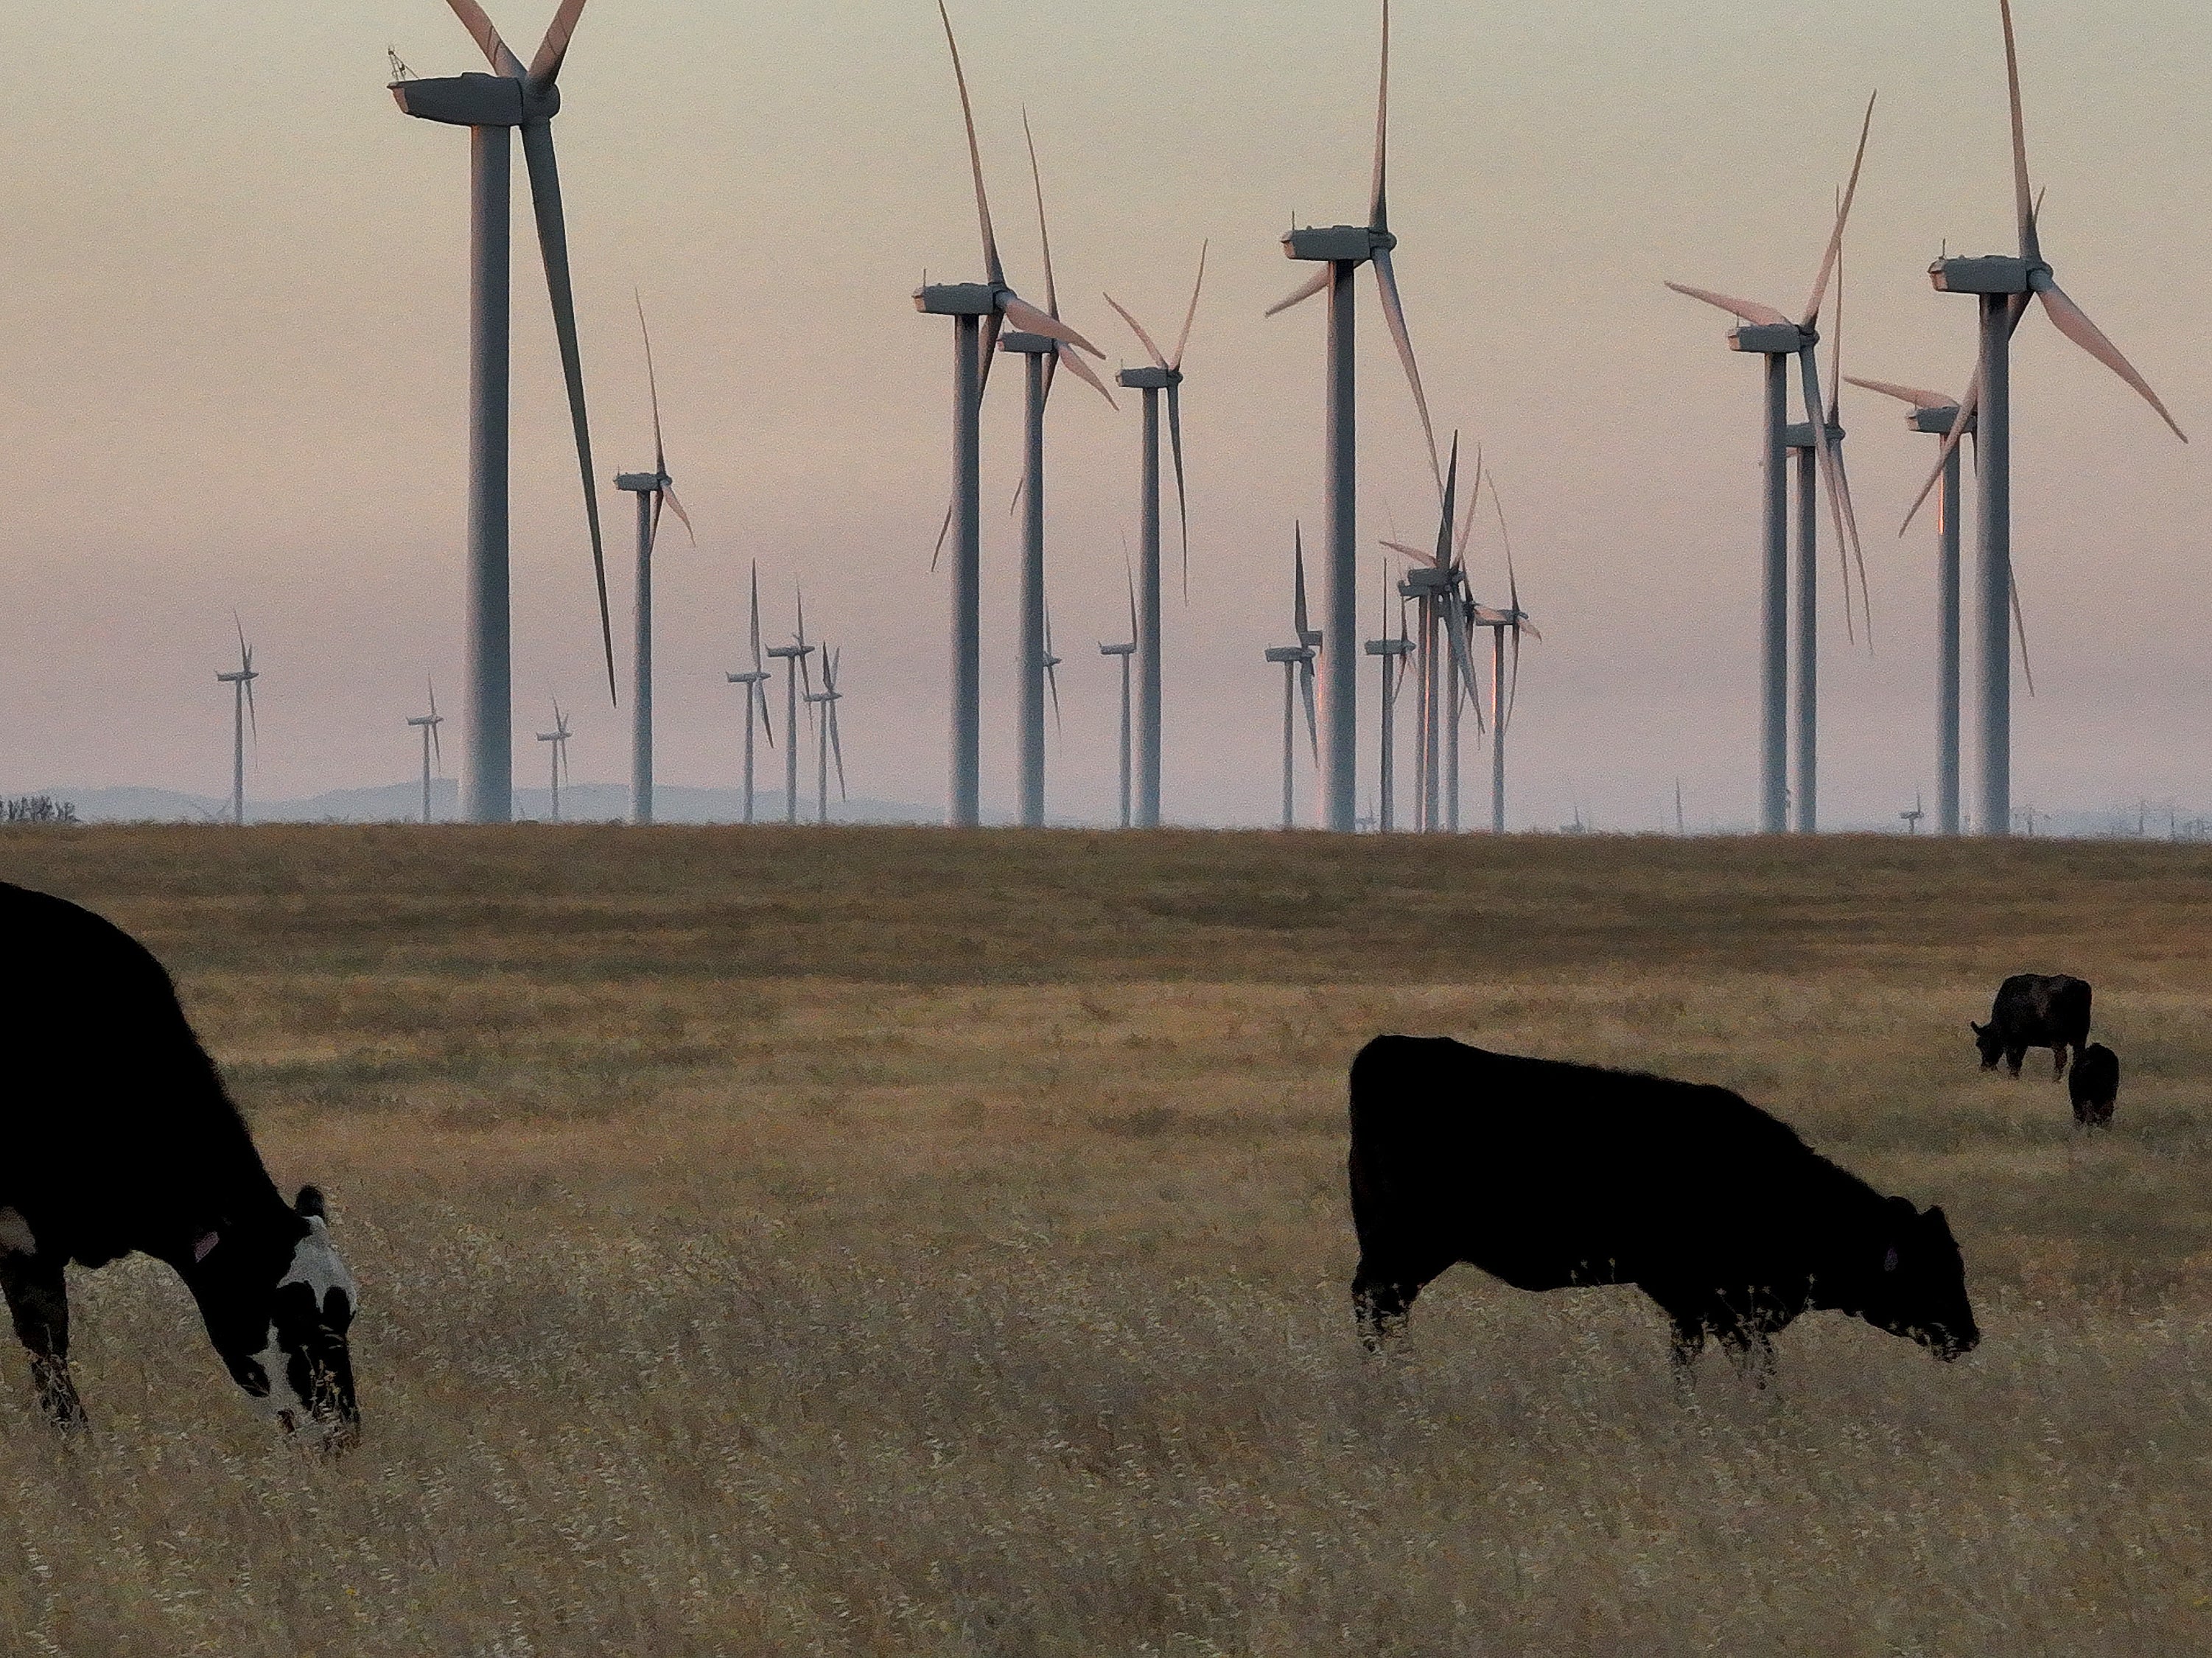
column 1548, row 1175
column 116, row 1136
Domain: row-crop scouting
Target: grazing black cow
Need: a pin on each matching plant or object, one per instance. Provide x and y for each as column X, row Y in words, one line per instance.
column 2093, row 1085
column 1547, row 1175
column 2035, row 1010
column 116, row 1135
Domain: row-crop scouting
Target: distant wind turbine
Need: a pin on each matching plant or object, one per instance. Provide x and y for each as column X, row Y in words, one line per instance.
column 242, row 711
column 1163, row 375
column 980, row 311
column 1125, row 651
column 754, row 680
column 2003, row 283
column 1340, row 249
column 1504, row 691
column 654, row 490
column 827, row 741
column 491, row 107
column 1391, row 653
column 428, row 724
column 558, row 737
column 794, row 657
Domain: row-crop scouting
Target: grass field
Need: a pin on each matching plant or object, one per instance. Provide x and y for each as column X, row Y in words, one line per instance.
column 899, row 1242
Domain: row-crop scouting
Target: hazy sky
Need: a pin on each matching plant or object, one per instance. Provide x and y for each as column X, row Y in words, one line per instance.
column 233, row 289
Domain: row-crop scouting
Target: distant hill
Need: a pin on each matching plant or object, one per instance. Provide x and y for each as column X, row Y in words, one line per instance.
column 401, row 802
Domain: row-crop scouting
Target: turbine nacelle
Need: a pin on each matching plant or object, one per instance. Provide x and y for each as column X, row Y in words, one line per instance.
column 1772, row 339
column 1023, row 343
column 477, row 99
column 1148, row 376
column 1985, row 273
column 1798, row 434
column 644, row 483
column 1337, row 244
column 956, row 299
column 1937, row 421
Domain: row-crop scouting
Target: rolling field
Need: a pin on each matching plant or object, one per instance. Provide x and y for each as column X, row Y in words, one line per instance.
column 864, row 1242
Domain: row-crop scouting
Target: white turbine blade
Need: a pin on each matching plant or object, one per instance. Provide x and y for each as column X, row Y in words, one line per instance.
column 2073, row 321
column 487, row 38
column 553, row 242
column 1313, row 720
column 1419, row 554
column 1824, row 449
column 1918, row 396
column 1455, row 626
column 1394, row 314
column 652, row 386
column 2020, row 625
column 1750, row 310
column 1044, row 234
column 1083, row 370
column 1835, row 247
column 1378, row 216
column 2023, row 203
column 252, row 719
column 1020, row 312
column 1298, row 564
column 1183, row 498
column 837, row 753
column 1446, row 519
column 667, row 493
column 1182, row 340
column 1857, row 555
column 545, row 67
column 1151, row 349
column 1305, row 290
column 996, row 271
column 756, row 616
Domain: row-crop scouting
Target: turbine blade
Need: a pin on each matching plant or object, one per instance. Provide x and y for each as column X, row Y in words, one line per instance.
column 1313, row 720
column 1836, row 349
column 252, row 718
column 1513, row 683
column 1129, row 576
column 1182, row 340
column 1081, row 370
column 1419, row 554
column 1824, row 449
column 487, row 38
column 991, row 264
column 1305, row 290
column 1182, row 500
column 1835, row 247
column 987, row 344
column 1857, row 554
column 1455, row 626
column 553, row 242
column 653, row 525
column 1378, row 215
column 756, row 616
column 2023, row 205
column 1394, row 312
column 1512, row 578
column 1020, row 312
column 2073, row 323
column 1918, row 396
column 837, row 753
column 1298, row 603
column 1750, row 310
column 1044, row 233
column 1151, row 349
column 943, row 531
column 652, row 386
column 667, row 493
column 1446, row 519
column 2020, row 625
column 545, row 67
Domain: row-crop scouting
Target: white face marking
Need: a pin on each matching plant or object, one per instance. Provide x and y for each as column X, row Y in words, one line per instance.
column 315, row 1263
column 16, row 1236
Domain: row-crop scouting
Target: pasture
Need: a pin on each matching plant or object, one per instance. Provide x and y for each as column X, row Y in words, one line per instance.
column 858, row 1241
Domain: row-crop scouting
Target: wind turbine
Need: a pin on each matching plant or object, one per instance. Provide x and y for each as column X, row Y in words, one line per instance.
column 826, row 742
column 980, row 311
column 756, row 695
column 1911, row 819
column 242, row 711
column 1163, row 375
column 794, row 657
column 558, row 737
column 1505, row 692
column 1340, row 249
column 1765, row 332
column 1391, row 653
column 1125, row 651
column 1294, row 659
column 1439, row 582
column 428, row 724
column 1041, row 356
column 491, row 107
column 2003, row 283
column 1937, row 412
column 654, row 490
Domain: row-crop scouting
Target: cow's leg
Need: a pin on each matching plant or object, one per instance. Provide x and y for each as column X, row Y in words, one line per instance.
column 2058, row 1062
column 1383, row 1289
column 38, row 1301
column 2012, row 1057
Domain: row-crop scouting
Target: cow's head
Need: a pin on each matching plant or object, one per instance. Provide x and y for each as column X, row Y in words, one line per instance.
column 1989, row 1041
column 279, row 1303
column 1917, row 1286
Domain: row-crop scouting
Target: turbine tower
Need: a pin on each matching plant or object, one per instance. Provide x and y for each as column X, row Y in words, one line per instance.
column 558, row 737
column 826, row 736
column 2003, row 283
column 428, row 724
column 1298, row 663
column 1340, row 249
column 1937, row 412
column 492, row 106
column 979, row 312
column 755, row 682
column 1391, row 653
column 1125, row 651
column 1164, row 375
column 241, row 682
column 794, row 657
column 1041, row 356
column 1439, row 582
column 654, row 490
column 1505, row 689
column 1765, row 332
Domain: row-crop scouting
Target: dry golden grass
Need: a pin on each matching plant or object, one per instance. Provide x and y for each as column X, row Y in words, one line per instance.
column 899, row 1242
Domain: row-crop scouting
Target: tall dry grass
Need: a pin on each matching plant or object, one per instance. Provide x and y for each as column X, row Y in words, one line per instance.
column 863, row 1242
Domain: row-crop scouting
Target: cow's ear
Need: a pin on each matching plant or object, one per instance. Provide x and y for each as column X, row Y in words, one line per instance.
column 308, row 1205
column 1977, row 1029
